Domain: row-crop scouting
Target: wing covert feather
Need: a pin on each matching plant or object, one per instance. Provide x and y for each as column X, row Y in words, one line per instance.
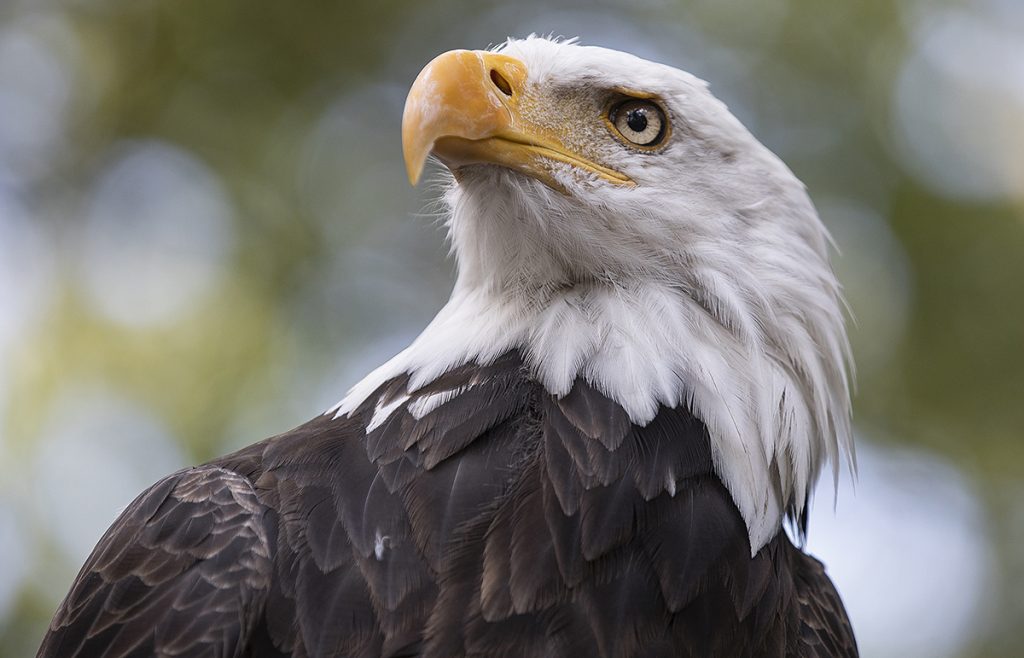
column 183, row 571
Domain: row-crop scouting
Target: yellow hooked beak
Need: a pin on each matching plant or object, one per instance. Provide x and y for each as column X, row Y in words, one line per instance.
column 467, row 107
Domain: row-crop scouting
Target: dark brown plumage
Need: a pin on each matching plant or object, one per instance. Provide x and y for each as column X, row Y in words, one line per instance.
column 505, row 522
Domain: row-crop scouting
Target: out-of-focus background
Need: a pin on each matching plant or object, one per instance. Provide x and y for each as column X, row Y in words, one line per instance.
column 206, row 236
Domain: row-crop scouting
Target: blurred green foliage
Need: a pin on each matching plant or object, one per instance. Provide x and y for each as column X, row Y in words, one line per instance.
column 259, row 91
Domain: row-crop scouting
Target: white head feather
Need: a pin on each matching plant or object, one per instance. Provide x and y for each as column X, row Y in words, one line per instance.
column 707, row 284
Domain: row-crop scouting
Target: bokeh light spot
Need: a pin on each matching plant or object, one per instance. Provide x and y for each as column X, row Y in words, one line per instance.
column 157, row 233
column 959, row 103
column 909, row 552
column 35, row 89
column 26, row 269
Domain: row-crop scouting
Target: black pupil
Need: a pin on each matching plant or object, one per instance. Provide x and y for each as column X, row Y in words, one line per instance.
column 636, row 119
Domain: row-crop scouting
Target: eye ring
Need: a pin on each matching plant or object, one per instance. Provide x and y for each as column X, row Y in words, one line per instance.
column 639, row 122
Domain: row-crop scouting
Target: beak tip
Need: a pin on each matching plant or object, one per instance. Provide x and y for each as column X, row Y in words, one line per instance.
column 414, row 169
column 416, row 144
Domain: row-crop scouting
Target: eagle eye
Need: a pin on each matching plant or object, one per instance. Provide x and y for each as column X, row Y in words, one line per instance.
column 640, row 122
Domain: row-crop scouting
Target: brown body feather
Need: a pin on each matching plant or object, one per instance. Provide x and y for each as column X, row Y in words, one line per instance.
column 505, row 522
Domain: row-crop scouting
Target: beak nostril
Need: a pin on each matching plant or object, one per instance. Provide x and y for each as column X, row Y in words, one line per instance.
column 500, row 82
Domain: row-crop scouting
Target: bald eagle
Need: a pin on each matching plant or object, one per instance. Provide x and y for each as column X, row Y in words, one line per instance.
column 592, row 450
